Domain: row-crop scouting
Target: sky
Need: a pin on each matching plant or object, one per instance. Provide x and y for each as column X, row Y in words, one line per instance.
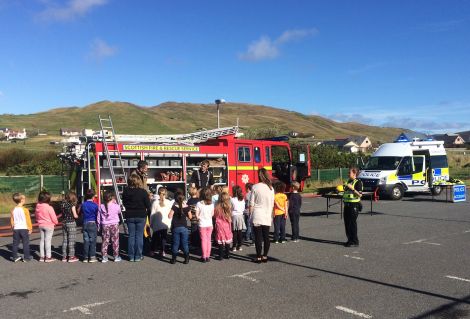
column 393, row 63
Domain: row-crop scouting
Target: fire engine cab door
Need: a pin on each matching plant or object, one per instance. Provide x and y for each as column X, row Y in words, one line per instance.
column 245, row 158
column 301, row 166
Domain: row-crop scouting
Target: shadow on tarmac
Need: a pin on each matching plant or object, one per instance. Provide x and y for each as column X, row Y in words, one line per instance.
column 448, row 311
column 430, row 218
column 455, row 301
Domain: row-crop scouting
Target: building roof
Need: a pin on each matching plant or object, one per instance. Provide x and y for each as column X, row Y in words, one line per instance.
column 411, row 135
column 358, row 139
column 465, row 135
column 64, row 129
column 447, row 138
column 340, row 143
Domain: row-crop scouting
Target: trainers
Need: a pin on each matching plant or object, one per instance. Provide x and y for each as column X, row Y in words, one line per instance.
column 117, row 259
column 26, row 260
column 276, row 242
column 64, row 260
column 283, row 241
column 239, row 249
column 104, row 259
column 73, row 259
column 49, row 260
column 85, row 260
column 92, row 260
column 15, row 260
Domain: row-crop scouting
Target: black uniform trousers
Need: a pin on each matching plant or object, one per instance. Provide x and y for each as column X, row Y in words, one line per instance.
column 351, row 211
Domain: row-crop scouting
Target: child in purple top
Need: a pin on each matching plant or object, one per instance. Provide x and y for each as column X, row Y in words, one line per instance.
column 108, row 220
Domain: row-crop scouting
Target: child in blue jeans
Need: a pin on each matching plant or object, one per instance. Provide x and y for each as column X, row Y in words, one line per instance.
column 247, row 215
column 89, row 209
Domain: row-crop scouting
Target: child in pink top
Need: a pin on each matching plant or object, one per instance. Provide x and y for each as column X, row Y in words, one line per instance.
column 223, row 228
column 108, row 221
column 46, row 219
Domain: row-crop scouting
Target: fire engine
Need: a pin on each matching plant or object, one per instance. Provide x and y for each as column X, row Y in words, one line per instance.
column 105, row 159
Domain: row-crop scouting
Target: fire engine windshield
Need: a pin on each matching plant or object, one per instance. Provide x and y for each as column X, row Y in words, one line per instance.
column 383, row 163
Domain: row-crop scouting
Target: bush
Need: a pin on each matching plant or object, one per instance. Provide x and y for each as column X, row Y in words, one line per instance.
column 21, row 162
column 326, row 156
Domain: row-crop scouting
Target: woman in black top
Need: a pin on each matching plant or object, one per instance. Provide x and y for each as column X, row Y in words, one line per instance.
column 137, row 203
column 179, row 214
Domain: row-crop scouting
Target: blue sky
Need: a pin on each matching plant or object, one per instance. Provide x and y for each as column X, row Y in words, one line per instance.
column 395, row 63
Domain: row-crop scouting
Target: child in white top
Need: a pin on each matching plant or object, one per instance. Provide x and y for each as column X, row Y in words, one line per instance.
column 204, row 214
column 21, row 225
column 247, row 214
column 160, row 222
column 238, row 222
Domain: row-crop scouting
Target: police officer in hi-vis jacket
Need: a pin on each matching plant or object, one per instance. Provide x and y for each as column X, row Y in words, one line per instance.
column 352, row 206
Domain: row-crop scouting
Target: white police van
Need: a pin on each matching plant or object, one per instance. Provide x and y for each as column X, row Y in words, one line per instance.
column 396, row 168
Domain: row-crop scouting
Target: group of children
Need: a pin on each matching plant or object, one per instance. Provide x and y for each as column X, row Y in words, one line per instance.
column 95, row 219
column 214, row 215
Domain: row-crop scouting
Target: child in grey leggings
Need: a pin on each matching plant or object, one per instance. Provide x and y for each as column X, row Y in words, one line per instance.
column 46, row 240
column 46, row 219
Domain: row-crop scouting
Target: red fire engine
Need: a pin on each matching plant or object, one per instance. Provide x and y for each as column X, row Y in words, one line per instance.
column 173, row 159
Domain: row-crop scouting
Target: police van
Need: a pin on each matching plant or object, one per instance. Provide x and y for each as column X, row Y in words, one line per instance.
column 416, row 166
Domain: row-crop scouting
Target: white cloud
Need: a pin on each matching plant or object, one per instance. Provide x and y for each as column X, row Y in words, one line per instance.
column 262, row 49
column 265, row 48
column 442, row 26
column 351, row 117
column 71, row 10
column 366, row 68
column 445, row 116
column 101, row 50
column 296, row 34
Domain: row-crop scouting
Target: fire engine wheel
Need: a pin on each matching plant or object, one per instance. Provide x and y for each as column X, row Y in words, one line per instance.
column 436, row 190
column 397, row 192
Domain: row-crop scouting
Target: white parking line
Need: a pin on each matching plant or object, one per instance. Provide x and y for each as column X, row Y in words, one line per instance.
column 421, row 241
column 84, row 309
column 353, row 312
column 429, row 243
column 245, row 276
column 415, row 241
column 467, row 231
column 458, row 278
column 354, row 257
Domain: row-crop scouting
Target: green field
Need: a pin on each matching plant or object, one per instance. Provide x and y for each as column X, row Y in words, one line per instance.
column 173, row 117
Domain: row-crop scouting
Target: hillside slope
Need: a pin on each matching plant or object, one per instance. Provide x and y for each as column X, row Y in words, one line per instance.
column 172, row 117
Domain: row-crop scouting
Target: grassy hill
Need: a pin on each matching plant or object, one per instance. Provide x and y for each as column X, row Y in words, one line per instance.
column 172, row 117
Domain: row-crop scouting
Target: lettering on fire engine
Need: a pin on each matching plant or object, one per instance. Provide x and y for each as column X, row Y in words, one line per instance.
column 160, row 148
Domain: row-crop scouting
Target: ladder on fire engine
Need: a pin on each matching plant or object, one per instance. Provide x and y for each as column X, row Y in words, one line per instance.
column 185, row 139
column 116, row 168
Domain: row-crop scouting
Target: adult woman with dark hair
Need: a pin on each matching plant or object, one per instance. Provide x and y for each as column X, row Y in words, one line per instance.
column 261, row 208
column 137, row 203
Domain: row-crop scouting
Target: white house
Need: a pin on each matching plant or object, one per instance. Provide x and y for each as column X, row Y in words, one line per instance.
column 16, row 135
column 363, row 142
column 69, row 132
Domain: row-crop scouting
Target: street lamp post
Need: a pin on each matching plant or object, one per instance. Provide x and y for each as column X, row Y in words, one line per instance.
column 218, row 102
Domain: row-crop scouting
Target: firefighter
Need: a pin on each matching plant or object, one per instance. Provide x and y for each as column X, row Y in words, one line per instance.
column 202, row 177
column 141, row 172
column 352, row 206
